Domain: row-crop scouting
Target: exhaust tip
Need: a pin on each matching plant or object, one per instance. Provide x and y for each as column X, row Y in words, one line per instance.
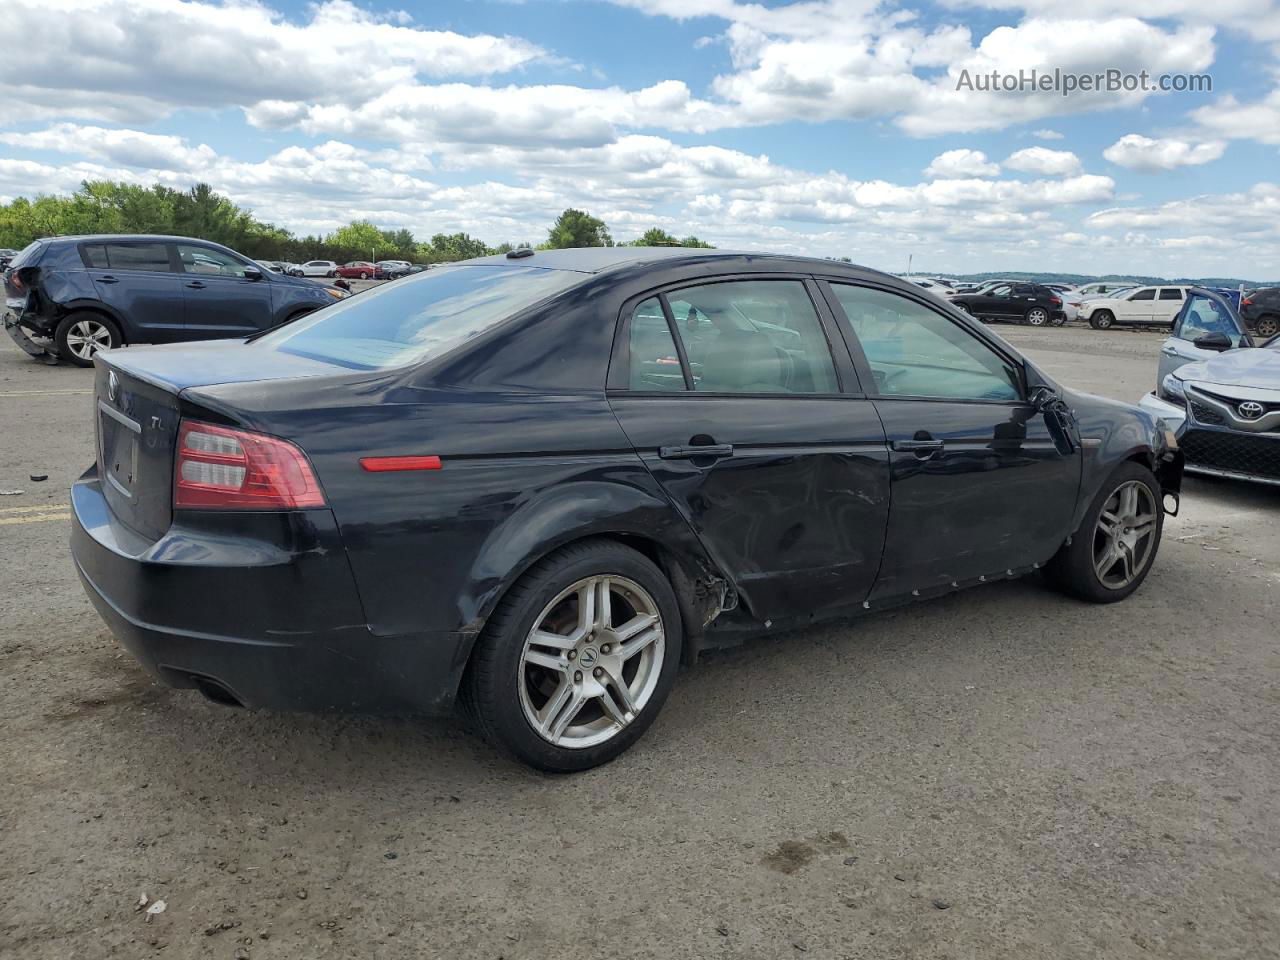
column 215, row 691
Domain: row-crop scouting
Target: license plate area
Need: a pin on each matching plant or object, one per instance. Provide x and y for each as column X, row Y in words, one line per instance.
column 118, row 450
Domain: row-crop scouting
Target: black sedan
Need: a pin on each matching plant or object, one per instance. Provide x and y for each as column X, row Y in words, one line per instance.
column 1032, row 303
column 538, row 482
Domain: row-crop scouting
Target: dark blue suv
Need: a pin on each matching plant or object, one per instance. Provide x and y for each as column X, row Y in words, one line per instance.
column 93, row 293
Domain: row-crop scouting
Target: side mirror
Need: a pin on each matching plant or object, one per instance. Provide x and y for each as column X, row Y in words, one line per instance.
column 252, row 273
column 1213, row 341
column 1041, row 396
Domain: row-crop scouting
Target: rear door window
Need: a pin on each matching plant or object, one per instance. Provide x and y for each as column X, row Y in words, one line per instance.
column 137, row 256
column 94, row 255
column 1170, row 293
column 654, row 358
column 753, row 336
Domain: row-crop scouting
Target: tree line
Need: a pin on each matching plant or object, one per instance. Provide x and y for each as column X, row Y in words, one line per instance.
column 108, row 206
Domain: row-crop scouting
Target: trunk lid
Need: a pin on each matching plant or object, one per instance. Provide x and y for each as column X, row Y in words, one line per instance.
column 138, row 404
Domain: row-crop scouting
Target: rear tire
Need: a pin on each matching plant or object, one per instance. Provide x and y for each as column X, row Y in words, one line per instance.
column 964, row 308
column 364, row 276
column 1102, row 320
column 1109, row 556
column 1267, row 326
column 551, row 679
column 82, row 334
column 1038, row 316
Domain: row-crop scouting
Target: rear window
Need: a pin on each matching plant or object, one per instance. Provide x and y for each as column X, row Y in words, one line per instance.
column 408, row 321
column 27, row 255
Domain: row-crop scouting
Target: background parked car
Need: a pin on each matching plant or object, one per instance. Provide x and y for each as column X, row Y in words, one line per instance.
column 390, row 269
column 274, row 266
column 1032, row 303
column 1141, row 306
column 6, row 255
column 358, row 270
column 1260, row 311
column 319, row 268
column 99, row 292
column 1072, row 300
column 1219, row 392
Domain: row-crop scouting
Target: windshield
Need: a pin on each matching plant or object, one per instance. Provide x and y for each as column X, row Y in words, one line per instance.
column 422, row 316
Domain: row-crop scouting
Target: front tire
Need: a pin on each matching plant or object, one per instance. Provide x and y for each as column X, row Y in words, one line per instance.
column 364, row 276
column 577, row 659
column 1111, row 553
column 1102, row 320
column 82, row 334
column 965, row 308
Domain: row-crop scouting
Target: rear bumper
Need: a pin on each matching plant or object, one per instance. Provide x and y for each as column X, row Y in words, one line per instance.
column 272, row 623
column 22, row 338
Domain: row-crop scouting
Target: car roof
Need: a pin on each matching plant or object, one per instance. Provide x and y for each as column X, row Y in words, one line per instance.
column 118, row 237
column 602, row 259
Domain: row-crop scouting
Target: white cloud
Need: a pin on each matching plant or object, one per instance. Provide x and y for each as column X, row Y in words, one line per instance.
column 1232, row 215
column 1230, row 118
column 1046, row 162
column 1047, row 135
column 955, row 164
column 1148, row 155
column 144, row 58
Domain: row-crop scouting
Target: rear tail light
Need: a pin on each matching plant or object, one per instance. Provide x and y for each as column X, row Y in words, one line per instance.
column 15, row 278
column 1057, row 300
column 217, row 467
column 1247, row 302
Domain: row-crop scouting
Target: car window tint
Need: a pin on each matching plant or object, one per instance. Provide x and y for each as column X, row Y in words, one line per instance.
column 1147, row 294
column 753, row 336
column 655, row 362
column 1203, row 316
column 916, row 352
column 95, row 255
column 401, row 323
column 137, row 256
column 1003, row 290
column 1168, row 294
column 209, row 262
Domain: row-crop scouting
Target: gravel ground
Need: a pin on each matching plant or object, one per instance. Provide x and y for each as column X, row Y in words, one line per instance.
column 1002, row 773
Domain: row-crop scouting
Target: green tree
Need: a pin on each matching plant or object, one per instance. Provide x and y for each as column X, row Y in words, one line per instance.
column 358, row 240
column 656, row 237
column 447, row 248
column 577, row 228
column 692, row 241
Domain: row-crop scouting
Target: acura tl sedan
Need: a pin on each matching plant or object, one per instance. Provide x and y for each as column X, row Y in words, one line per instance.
column 536, row 483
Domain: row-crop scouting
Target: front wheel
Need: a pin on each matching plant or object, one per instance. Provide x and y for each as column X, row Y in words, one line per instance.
column 578, row 658
column 1112, row 552
column 965, row 308
column 1102, row 320
column 80, row 335
column 1037, row 316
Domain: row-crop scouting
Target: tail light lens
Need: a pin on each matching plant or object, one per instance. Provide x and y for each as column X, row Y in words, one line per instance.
column 1247, row 302
column 1057, row 300
column 218, row 467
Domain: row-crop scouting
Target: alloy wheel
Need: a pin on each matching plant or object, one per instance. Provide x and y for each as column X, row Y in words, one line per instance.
column 1037, row 317
column 87, row 337
column 592, row 661
column 1125, row 534
column 1267, row 327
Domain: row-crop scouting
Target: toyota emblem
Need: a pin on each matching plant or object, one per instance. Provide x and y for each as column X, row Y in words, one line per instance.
column 113, row 386
column 1251, row 409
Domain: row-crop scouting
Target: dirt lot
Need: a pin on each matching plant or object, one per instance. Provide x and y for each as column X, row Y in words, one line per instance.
column 1003, row 773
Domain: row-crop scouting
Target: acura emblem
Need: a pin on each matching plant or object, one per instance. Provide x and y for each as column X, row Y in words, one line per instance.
column 1250, row 410
column 113, row 386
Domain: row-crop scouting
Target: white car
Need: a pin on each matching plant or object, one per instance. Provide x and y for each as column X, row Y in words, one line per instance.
column 1072, row 300
column 1140, row 306
column 320, row 268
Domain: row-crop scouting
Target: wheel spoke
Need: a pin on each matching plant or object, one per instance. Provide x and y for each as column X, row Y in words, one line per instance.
column 634, row 626
column 604, row 604
column 618, row 713
column 1109, row 522
column 1126, row 562
column 555, row 641
column 548, row 660
column 567, row 705
column 1144, row 527
column 1129, row 500
column 1106, row 561
column 639, row 642
column 586, row 610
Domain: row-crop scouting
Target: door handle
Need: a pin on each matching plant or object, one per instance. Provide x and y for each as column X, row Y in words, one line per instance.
column 196, row 285
column 108, row 279
column 1169, row 351
column 917, row 446
column 691, row 451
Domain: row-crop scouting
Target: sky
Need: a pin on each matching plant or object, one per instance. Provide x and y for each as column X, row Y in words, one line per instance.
column 841, row 128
